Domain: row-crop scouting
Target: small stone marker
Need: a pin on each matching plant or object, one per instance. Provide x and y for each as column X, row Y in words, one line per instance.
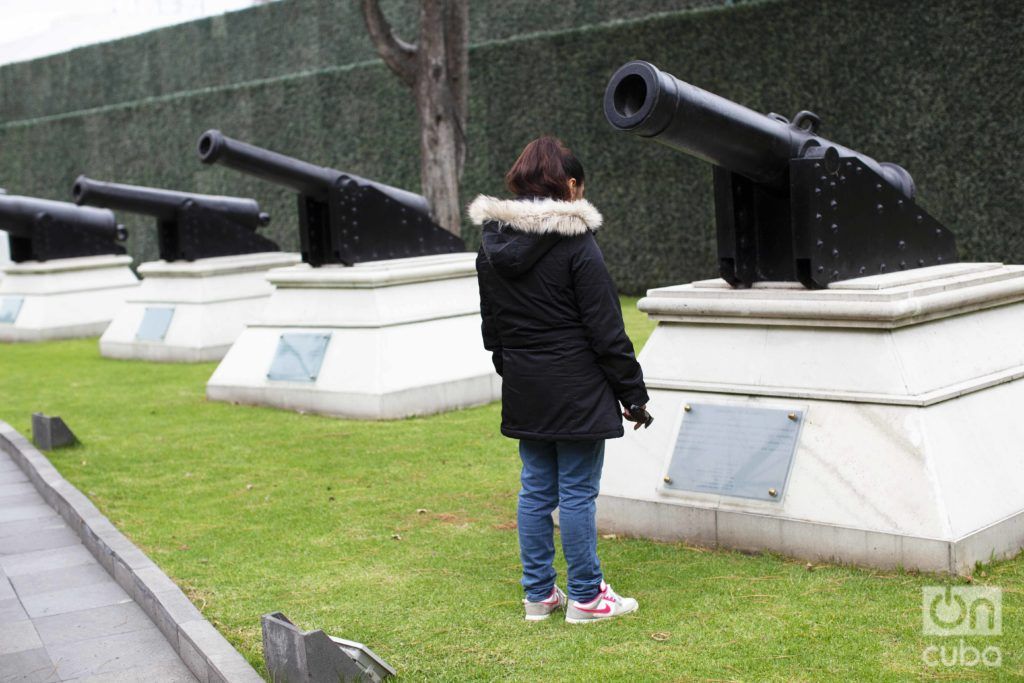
column 293, row 655
column 51, row 432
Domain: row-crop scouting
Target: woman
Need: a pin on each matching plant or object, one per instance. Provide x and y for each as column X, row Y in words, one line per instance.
column 552, row 321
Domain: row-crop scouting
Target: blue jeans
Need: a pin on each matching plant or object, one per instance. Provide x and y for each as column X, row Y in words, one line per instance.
column 566, row 475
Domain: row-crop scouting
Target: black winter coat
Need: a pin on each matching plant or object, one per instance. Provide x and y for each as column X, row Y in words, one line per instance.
column 552, row 321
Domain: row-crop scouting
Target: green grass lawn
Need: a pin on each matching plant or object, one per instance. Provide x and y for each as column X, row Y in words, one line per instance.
column 401, row 535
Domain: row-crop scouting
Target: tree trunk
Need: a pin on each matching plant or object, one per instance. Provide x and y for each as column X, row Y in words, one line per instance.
column 437, row 71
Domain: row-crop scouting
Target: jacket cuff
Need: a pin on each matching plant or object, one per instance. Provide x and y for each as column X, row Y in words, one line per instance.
column 637, row 398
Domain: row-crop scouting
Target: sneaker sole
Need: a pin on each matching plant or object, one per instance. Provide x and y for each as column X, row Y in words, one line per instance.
column 570, row 620
column 542, row 617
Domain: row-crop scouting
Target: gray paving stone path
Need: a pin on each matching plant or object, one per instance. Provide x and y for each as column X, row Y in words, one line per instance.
column 62, row 616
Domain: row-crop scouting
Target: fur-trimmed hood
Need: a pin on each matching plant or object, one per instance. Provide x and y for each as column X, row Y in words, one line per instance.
column 518, row 232
column 537, row 216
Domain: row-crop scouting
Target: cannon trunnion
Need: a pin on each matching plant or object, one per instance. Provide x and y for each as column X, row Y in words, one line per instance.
column 343, row 218
column 789, row 204
column 43, row 230
column 189, row 226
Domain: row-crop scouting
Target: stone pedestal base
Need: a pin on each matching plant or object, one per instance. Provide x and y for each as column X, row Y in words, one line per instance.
column 62, row 298
column 5, row 252
column 908, row 389
column 191, row 311
column 379, row 340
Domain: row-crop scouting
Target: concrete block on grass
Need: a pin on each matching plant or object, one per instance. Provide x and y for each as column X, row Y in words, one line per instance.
column 49, row 432
column 292, row 654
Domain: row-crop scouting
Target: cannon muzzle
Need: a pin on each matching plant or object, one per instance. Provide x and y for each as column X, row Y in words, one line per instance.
column 165, row 204
column 643, row 100
column 216, row 148
column 301, row 176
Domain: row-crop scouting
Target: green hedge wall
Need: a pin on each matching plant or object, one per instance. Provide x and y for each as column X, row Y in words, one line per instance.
column 936, row 87
column 276, row 39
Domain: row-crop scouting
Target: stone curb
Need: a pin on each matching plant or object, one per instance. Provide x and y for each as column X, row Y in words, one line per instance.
column 205, row 652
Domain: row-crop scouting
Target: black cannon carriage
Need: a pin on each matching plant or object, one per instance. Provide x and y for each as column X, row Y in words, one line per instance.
column 189, row 226
column 343, row 218
column 42, row 229
column 789, row 204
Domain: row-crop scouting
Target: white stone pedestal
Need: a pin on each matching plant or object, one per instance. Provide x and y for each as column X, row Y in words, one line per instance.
column 398, row 338
column 191, row 311
column 62, row 298
column 908, row 389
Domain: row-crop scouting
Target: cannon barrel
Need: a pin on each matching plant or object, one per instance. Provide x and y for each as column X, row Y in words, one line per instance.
column 164, row 204
column 301, row 176
column 20, row 215
column 643, row 100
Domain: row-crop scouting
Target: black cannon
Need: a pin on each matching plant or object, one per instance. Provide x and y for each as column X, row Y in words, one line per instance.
column 789, row 204
column 189, row 226
column 342, row 218
column 41, row 229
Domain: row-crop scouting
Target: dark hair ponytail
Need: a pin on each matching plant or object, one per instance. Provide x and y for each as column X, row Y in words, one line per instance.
column 543, row 170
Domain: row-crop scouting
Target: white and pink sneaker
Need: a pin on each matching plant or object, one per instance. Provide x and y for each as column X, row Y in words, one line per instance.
column 607, row 605
column 539, row 611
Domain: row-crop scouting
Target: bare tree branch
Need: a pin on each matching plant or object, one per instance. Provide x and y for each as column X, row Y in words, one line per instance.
column 399, row 55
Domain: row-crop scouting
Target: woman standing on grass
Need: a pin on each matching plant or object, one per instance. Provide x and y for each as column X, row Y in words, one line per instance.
column 552, row 320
